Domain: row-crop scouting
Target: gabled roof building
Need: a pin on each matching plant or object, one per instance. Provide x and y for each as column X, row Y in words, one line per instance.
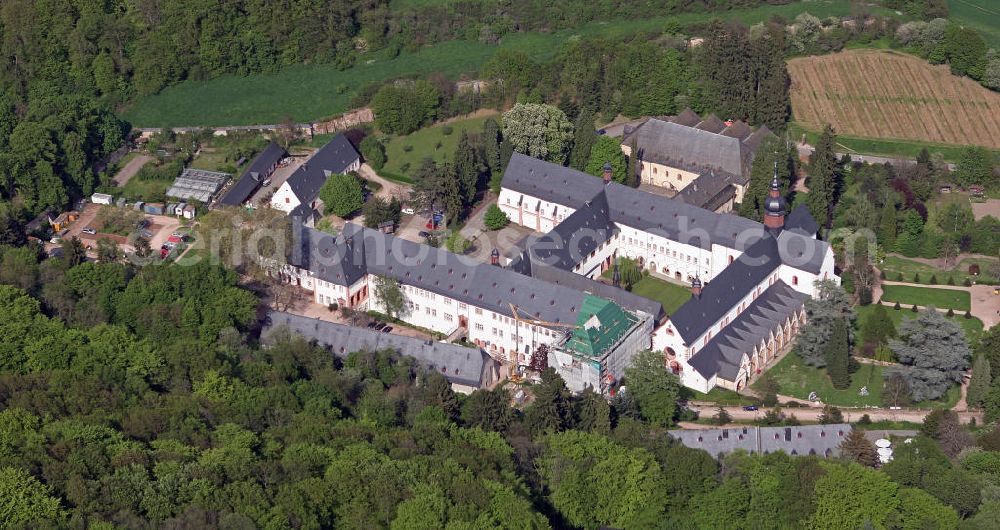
column 259, row 170
column 685, row 151
column 749, row 280
column 507, row 314
column 465, row 368
column 302, row 187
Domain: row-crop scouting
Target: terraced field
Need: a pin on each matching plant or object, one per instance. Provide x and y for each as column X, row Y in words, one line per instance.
column 886, row 94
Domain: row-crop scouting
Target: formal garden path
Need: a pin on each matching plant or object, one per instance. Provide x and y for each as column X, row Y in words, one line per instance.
column 985, row 305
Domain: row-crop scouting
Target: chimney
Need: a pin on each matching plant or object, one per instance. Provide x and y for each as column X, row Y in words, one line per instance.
column 696, row 287
column 495, row 257
column 607, row 172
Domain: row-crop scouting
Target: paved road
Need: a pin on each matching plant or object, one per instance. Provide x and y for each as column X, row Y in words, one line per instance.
column 805, row 150
column 850, row 414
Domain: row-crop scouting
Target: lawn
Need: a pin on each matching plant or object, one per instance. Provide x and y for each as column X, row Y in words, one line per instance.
column 893, row 266
column 719, row 395
column 927, row 296
column 148, row 190
column 310, row 92
column 671, row 295
column 404, row 154
column 980, row 15
column 972, row 326
column 880, row 146
column 213, row 160
column 797, row 379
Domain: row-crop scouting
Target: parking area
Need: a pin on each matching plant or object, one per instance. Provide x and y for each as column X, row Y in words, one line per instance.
column 305, row 305
column 280, row 175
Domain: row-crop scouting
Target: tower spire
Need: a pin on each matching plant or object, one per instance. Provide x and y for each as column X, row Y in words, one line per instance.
column 774, row 205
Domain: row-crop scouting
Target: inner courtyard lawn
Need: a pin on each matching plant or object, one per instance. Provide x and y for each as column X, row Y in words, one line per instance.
column 671, row 295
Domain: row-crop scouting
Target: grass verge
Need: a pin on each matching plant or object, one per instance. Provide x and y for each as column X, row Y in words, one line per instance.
column 927, row 296
column 880, row 146
column 405, row 153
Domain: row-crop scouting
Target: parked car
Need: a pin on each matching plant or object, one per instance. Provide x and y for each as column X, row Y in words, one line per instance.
column 146, row 234
column 750, row 408
column 266, row 183
column 89, row 230
column 424, row 234
column 408, row 211
column 379, row 326
column 387, row 329
column 372, row 325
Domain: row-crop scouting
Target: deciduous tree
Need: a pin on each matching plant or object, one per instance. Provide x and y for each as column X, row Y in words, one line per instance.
column 341, row 195
column 655, row 388
column 540, row 131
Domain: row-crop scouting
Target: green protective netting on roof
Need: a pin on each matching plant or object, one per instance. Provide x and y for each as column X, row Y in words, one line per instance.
column 601, row 324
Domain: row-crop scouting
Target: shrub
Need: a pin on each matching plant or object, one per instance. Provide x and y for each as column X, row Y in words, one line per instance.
column 865, row 420
column 373, row 151
column 933, row 278
column 967, row 282
column 968, row 314
column 407, row 148
column 950, row 313
column 914, row 308
column 916, row 277
column 495, row 219
column 899, row 277
column 897, row 307
column 951, row 280
column 447, row 130
column 881, row 274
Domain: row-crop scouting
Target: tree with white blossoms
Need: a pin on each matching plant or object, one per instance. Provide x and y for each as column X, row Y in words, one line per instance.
column 540, row 131
column 933, row 353
column 830, row 304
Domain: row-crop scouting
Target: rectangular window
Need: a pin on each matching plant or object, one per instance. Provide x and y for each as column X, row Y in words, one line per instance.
column 479, row 327
column 463, row 305
column 447, row 317
column 479, row 311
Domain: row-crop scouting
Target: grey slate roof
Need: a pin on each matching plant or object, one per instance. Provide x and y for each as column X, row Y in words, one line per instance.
column 358, row 250
column 800, row 220
column 738, row 129
column 720, row 295
column 550, row 182
column 334, row 157
column 256, row 172
column 458, row 364
column 623, row 298
column 687, row 117
column 722, row 354
column 576, row 236
column 711, row 124
column 710, row 190
column 753, row 141
column 644, row 211
column 801, row 440
column 689, row 148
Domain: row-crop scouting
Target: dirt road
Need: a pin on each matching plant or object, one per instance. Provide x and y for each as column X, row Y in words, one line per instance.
column 130, row 170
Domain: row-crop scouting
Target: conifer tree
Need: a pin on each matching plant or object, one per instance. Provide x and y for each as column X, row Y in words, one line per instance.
column 583, row 140
column 837, row 356
column 860, row 449
column 761, row 173
column 822, row 177
column 979, row 384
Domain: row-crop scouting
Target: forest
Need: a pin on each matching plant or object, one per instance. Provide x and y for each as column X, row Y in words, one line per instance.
column 146, row 399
